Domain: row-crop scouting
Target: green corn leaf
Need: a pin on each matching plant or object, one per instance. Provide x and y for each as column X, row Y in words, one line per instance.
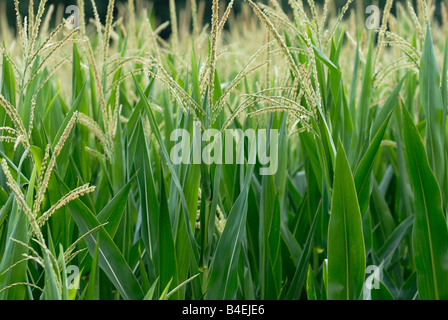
column 167, row 255
column 302, row 267
column 167, row 159
column 51, row 290
column 430, row 232
column 151, row 291
column 365, row 97
column 382, row 293
column 113, row 211
column 393, row 242
column 8, row 83
column 93, row 286
column 346, row 253
column 364, row 169
column 68, row 116
column 222, row 283
column 110, row 258
column 432, row 103
column 17, row 229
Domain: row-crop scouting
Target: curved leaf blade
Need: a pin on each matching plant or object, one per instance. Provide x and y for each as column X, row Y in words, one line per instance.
column 346, row 251
column 430, row 232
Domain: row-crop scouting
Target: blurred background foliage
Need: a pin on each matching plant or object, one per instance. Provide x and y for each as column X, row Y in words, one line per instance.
column 161, row 7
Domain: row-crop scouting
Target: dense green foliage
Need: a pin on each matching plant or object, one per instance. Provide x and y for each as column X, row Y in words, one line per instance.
column 94, row 207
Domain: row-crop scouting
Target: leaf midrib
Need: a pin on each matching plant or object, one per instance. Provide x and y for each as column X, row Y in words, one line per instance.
column 347, row 265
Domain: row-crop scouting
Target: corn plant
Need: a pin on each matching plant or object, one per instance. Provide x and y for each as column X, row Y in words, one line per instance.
column 94, row 205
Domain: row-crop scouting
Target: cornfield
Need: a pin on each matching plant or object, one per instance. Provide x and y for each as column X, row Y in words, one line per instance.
column 93, row 206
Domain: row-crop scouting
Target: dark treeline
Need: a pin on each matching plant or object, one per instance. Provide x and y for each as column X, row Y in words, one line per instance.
column 161, row 7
